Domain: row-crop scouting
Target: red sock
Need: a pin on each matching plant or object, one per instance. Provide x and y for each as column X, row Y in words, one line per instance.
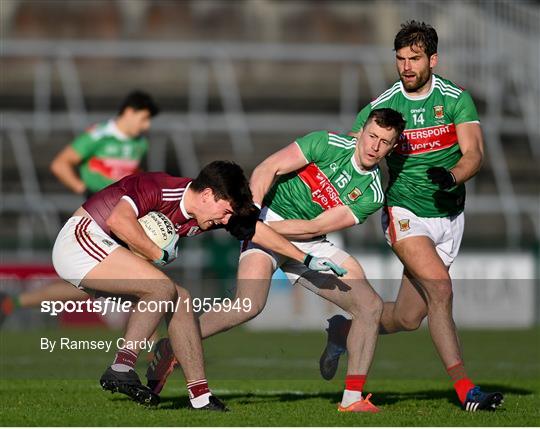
column 125, row 357
column 7, row 305
column 462, row 383
column 355, row 382
column 197, row 388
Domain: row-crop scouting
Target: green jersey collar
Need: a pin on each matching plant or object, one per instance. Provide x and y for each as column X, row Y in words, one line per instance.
column 419, row 97
column 359, row 169
column 112, row 129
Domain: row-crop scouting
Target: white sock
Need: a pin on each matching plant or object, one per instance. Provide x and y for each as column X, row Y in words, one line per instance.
column 120, row 367
column 201, row 401
column 350, row 397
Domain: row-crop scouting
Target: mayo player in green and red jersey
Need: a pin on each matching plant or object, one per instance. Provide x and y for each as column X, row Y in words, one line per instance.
column 109, row 151
column 423, row 219
column 324, row 182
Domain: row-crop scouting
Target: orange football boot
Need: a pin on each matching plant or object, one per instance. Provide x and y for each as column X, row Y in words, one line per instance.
column 361, row 406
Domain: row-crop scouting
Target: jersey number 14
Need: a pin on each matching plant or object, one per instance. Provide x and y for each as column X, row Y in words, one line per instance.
column 418, row 118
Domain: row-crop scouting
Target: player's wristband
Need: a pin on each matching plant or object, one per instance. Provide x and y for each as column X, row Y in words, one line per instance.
column 453, row 178
column 307, row 260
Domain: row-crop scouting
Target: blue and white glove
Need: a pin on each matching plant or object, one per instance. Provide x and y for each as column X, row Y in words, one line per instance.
column 169, row 253
column 323, row 264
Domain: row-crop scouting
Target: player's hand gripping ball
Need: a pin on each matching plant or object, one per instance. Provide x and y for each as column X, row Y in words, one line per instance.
column 160, row 230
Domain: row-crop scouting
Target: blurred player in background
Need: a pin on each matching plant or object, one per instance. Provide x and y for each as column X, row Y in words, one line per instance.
column 423, row 220
column 93, row 251
column 103, row 154
column 108, row 151
column 324, row 182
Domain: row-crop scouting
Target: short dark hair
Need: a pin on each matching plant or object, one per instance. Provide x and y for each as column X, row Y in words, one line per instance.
column 417, row 33
column 388, row 118
column 228, row 182
column 139, row 100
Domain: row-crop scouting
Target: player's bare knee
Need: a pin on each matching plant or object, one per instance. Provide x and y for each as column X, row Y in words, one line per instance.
column 368, row 308
column 440, row 294
column 252, row 311
column 164, row 291
column 410, row 322
column 182, row 294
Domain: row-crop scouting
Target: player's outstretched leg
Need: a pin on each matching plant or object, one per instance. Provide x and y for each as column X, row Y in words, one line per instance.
column 336, row 345
column 128, row 383
column 162, row 365
column 477, row 400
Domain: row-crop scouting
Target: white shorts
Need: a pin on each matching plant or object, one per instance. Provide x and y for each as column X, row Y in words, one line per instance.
column 445, row 232
column 81, row 245
column 319, row 247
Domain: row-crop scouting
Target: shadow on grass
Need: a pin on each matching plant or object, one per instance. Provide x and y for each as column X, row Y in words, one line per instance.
column 379, row 398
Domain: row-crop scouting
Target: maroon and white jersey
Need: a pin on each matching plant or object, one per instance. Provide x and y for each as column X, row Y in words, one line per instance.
column 146, row 192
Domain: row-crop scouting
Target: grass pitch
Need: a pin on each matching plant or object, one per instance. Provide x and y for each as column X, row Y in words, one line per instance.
column 271, row 379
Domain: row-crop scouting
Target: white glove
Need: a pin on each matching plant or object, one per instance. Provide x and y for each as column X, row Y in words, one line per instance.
column 323, row 264
column 169, row 253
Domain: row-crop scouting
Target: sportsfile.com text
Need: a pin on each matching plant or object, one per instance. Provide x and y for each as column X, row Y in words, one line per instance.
column 114, row 304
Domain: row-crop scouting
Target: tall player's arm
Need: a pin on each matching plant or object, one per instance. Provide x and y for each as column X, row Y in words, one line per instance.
column 471, row 143
column 469, row 135
column 284, row 161
column 334, row 219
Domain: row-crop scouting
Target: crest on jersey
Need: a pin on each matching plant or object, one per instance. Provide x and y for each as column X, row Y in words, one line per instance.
column 354, row 194
column 438, row 111
column 404, row 225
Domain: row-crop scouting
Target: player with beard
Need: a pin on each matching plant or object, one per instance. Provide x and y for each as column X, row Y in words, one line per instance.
column 423, row 220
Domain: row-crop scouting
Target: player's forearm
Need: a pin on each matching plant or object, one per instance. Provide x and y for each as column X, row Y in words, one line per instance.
column 67, row 176
column 128, row 229
column 331, row 220
column 268, row 238
column 468, row 166
column 296, row 229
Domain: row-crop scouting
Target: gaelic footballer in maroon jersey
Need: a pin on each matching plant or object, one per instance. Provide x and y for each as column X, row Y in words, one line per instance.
column 147, row 192
column 87, row 253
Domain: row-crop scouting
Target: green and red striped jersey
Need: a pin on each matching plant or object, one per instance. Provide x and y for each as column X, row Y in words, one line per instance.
column 429, row 140
column 331, row 178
